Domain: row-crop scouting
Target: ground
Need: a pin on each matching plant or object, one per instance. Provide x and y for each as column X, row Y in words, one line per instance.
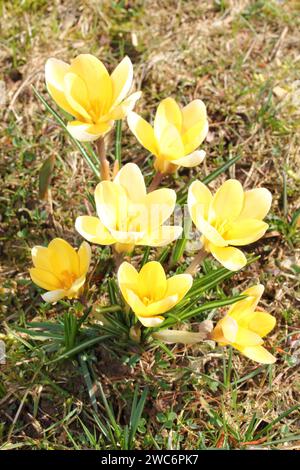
column 242, row 59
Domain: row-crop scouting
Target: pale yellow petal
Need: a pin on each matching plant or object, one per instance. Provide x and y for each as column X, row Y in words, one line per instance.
column 170, row 145
column 55, row 71
column 92, row 229
column 161, row 306
column 159, row 206
column 209, row 232
column 179, row 285
column 112, row 202
column 124, row 108
column 128, row 237
column 41, row 258
column 168, row 112
column 121, row 79
column 258, row 354
column 162, row 236
column 199, row 200
column 44, row 279
column 228, row 202
column 131, row 179
column 75, row 288
column 54, row 295
column 152, row 281
column 193, row 114
column 64, row 257
column 143, row 131
column 97, row 82
column 151, row 322
column 245, row 337
column 241, row 309
column 191, row 160
column 194, row 137
column 231, row 258
column 127, row 279
column 257, row 203
column 243, row 232
column 261, row 323
column 88, row 132
column 77, row 96
column 84, row 255
column 229, row 328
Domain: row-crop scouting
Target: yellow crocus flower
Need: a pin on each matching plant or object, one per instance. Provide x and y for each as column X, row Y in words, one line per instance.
column 231, row 217
column 94, row 98
column 243, row 327
column 149, row 293
column 60, row 269
column 175, row 136
column 127, row 215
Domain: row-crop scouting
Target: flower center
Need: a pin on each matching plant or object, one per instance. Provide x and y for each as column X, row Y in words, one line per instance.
column 67, row 279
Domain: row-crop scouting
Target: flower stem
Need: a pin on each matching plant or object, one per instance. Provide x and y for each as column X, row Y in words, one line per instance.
column 156, row 181
column 104, row 164
column 192, row 269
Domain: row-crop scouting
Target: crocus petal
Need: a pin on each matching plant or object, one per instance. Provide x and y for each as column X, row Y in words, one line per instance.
column 161, row 306
column 152, row 281
column 200, row 196
column 88, row 132
column 151, row 322
column 243, row 232
column 257, row 203
column 131, row 179
column 54, row 295
column 121, row 79
column 97, row 82
column 44, row 279
column 185, row 337
column 228, row 202
column 193, row 113
column 123, row 109
column 179, row 284
column 41, row 258
column 194, row 137
column 261, row 323
column 127, row 237
column 77, row 95
column 209, row 232
column 84, row 255
column 162, row 236
column 245, row 337
column 231, row 258
column 243, row 308
column 92, row 229
column 191, row 160
column 64, row 257
column 76, row 286
column 168, row 112
column 111, row 203
column 170, row 144
column 159, row 205
column 258, row 354
column 229, row 328
column 55, row 71
column 127, row 278
column 143, row 132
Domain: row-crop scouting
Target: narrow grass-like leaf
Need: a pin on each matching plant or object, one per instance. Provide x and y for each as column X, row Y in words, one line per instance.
column 118, row 141
column 88, row 380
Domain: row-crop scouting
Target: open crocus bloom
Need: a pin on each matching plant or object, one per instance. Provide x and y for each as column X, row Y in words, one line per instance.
column 230, row 217
column 94, row 98
column 244, row 327
column 176, row 134
column 127, row 215
column 149, row 293
column 60, row 269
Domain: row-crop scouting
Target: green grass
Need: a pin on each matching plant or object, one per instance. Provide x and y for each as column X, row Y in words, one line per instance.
column 67, row 385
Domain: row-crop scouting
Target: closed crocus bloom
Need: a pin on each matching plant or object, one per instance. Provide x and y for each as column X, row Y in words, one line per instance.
column 232, row 217
column 244, row 327
column 94, row 98
column 175, row 136
column 149, row 293
column 60, row 269
column 127, row 215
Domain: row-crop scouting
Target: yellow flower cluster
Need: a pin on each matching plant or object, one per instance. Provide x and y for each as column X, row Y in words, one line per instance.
column 129, row 215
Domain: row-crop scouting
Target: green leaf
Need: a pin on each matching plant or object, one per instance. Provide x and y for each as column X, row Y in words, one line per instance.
column 45, row 176
column 118, row 141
